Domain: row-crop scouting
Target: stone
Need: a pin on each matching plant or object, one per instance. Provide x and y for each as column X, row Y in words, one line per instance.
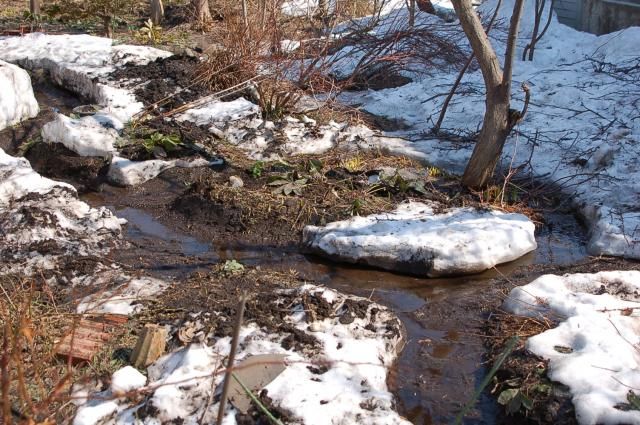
column 236, row 182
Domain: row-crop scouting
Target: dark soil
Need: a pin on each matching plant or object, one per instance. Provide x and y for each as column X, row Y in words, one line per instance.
column 57, row 162
column 164, row 77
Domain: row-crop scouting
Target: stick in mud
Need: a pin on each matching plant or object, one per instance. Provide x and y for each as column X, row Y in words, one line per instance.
column 232, row 356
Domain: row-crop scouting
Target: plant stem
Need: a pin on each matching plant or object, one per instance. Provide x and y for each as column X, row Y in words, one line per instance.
column 501, row 358
column 257, row 401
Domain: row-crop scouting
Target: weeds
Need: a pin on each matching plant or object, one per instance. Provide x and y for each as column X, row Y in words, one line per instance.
column 158, row 140
column 150, row 32
column 34, row 383
column 256, row 169
column 288, row 184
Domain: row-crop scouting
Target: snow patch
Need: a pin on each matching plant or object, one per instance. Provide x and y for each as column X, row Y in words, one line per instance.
column 593, row 350
column 87, row 136
column 125, row 172
column 17, row 102
column 352, row 390
column 417, row 239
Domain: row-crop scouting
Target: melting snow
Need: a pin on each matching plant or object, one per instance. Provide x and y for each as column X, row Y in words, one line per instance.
column 17, row 101
column 352, row 390
column 594, row 349
column 415, row 238
column 581, row 131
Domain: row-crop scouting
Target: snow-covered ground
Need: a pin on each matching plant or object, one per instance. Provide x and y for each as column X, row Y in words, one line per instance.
column 17, row 102
column 79, row 62
column 594, row 350
column 356, row 354
column 45, row 227
column 581, row 131
column 418, row 239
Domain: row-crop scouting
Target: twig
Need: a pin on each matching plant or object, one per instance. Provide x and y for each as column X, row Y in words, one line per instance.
column 232, row 357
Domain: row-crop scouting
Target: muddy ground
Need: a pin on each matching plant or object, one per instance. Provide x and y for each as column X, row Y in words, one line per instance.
column 185, row 223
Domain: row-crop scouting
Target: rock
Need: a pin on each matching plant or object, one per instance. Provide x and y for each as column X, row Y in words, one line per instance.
column 236, row 182
column 17, row 101
column 416, row 239
column 150, row 346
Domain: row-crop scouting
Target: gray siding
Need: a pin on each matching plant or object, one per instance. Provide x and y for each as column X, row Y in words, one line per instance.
column 569, row 12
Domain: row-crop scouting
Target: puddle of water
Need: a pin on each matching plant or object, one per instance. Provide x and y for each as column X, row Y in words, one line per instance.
column 441, row 363
column 143, row 226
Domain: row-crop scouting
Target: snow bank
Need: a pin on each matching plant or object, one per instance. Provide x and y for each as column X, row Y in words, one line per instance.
column 17, row 101
column 41, row 219
column 80, row 63
column 353, row 388
column 417, row 239
column 124, row 172
column 594, row 348
column 45, row 226
column 87, row 136
column 581, row 131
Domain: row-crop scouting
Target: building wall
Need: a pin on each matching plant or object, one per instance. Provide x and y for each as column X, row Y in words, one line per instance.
column 605, row 16
column 569, row 12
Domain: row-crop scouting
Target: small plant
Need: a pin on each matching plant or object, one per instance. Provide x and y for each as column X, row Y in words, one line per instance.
column 35, row 20
column 232, row 267
column 357, row 206
column 288, row 184
column 167, row 142
column 150, row 32
column 26, row 146
column 633, row 402
column 256, row 169
column 399, row 184
column 514, row 399
column 276, row 98
column 435, row 172
column 315, row 165
column 354, row 164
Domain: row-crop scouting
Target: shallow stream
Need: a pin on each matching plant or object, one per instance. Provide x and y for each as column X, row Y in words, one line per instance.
column 442, row 361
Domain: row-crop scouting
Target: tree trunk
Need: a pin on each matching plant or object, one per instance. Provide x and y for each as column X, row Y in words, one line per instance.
column 34, row 7
column 411, row 4
column 497, row 123
column 203, row 13
column 245, row 15
column 108, row 30
column 157, row 12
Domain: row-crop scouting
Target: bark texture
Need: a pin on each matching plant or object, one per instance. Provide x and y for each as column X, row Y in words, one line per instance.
column 157, row 12
column 498, row 121
column 203, row 13
column 34, row 7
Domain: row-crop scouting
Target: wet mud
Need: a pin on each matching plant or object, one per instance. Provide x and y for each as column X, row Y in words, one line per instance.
column 172, row 233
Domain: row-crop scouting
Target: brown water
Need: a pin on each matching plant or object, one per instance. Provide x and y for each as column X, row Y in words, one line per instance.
column 441, row 363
